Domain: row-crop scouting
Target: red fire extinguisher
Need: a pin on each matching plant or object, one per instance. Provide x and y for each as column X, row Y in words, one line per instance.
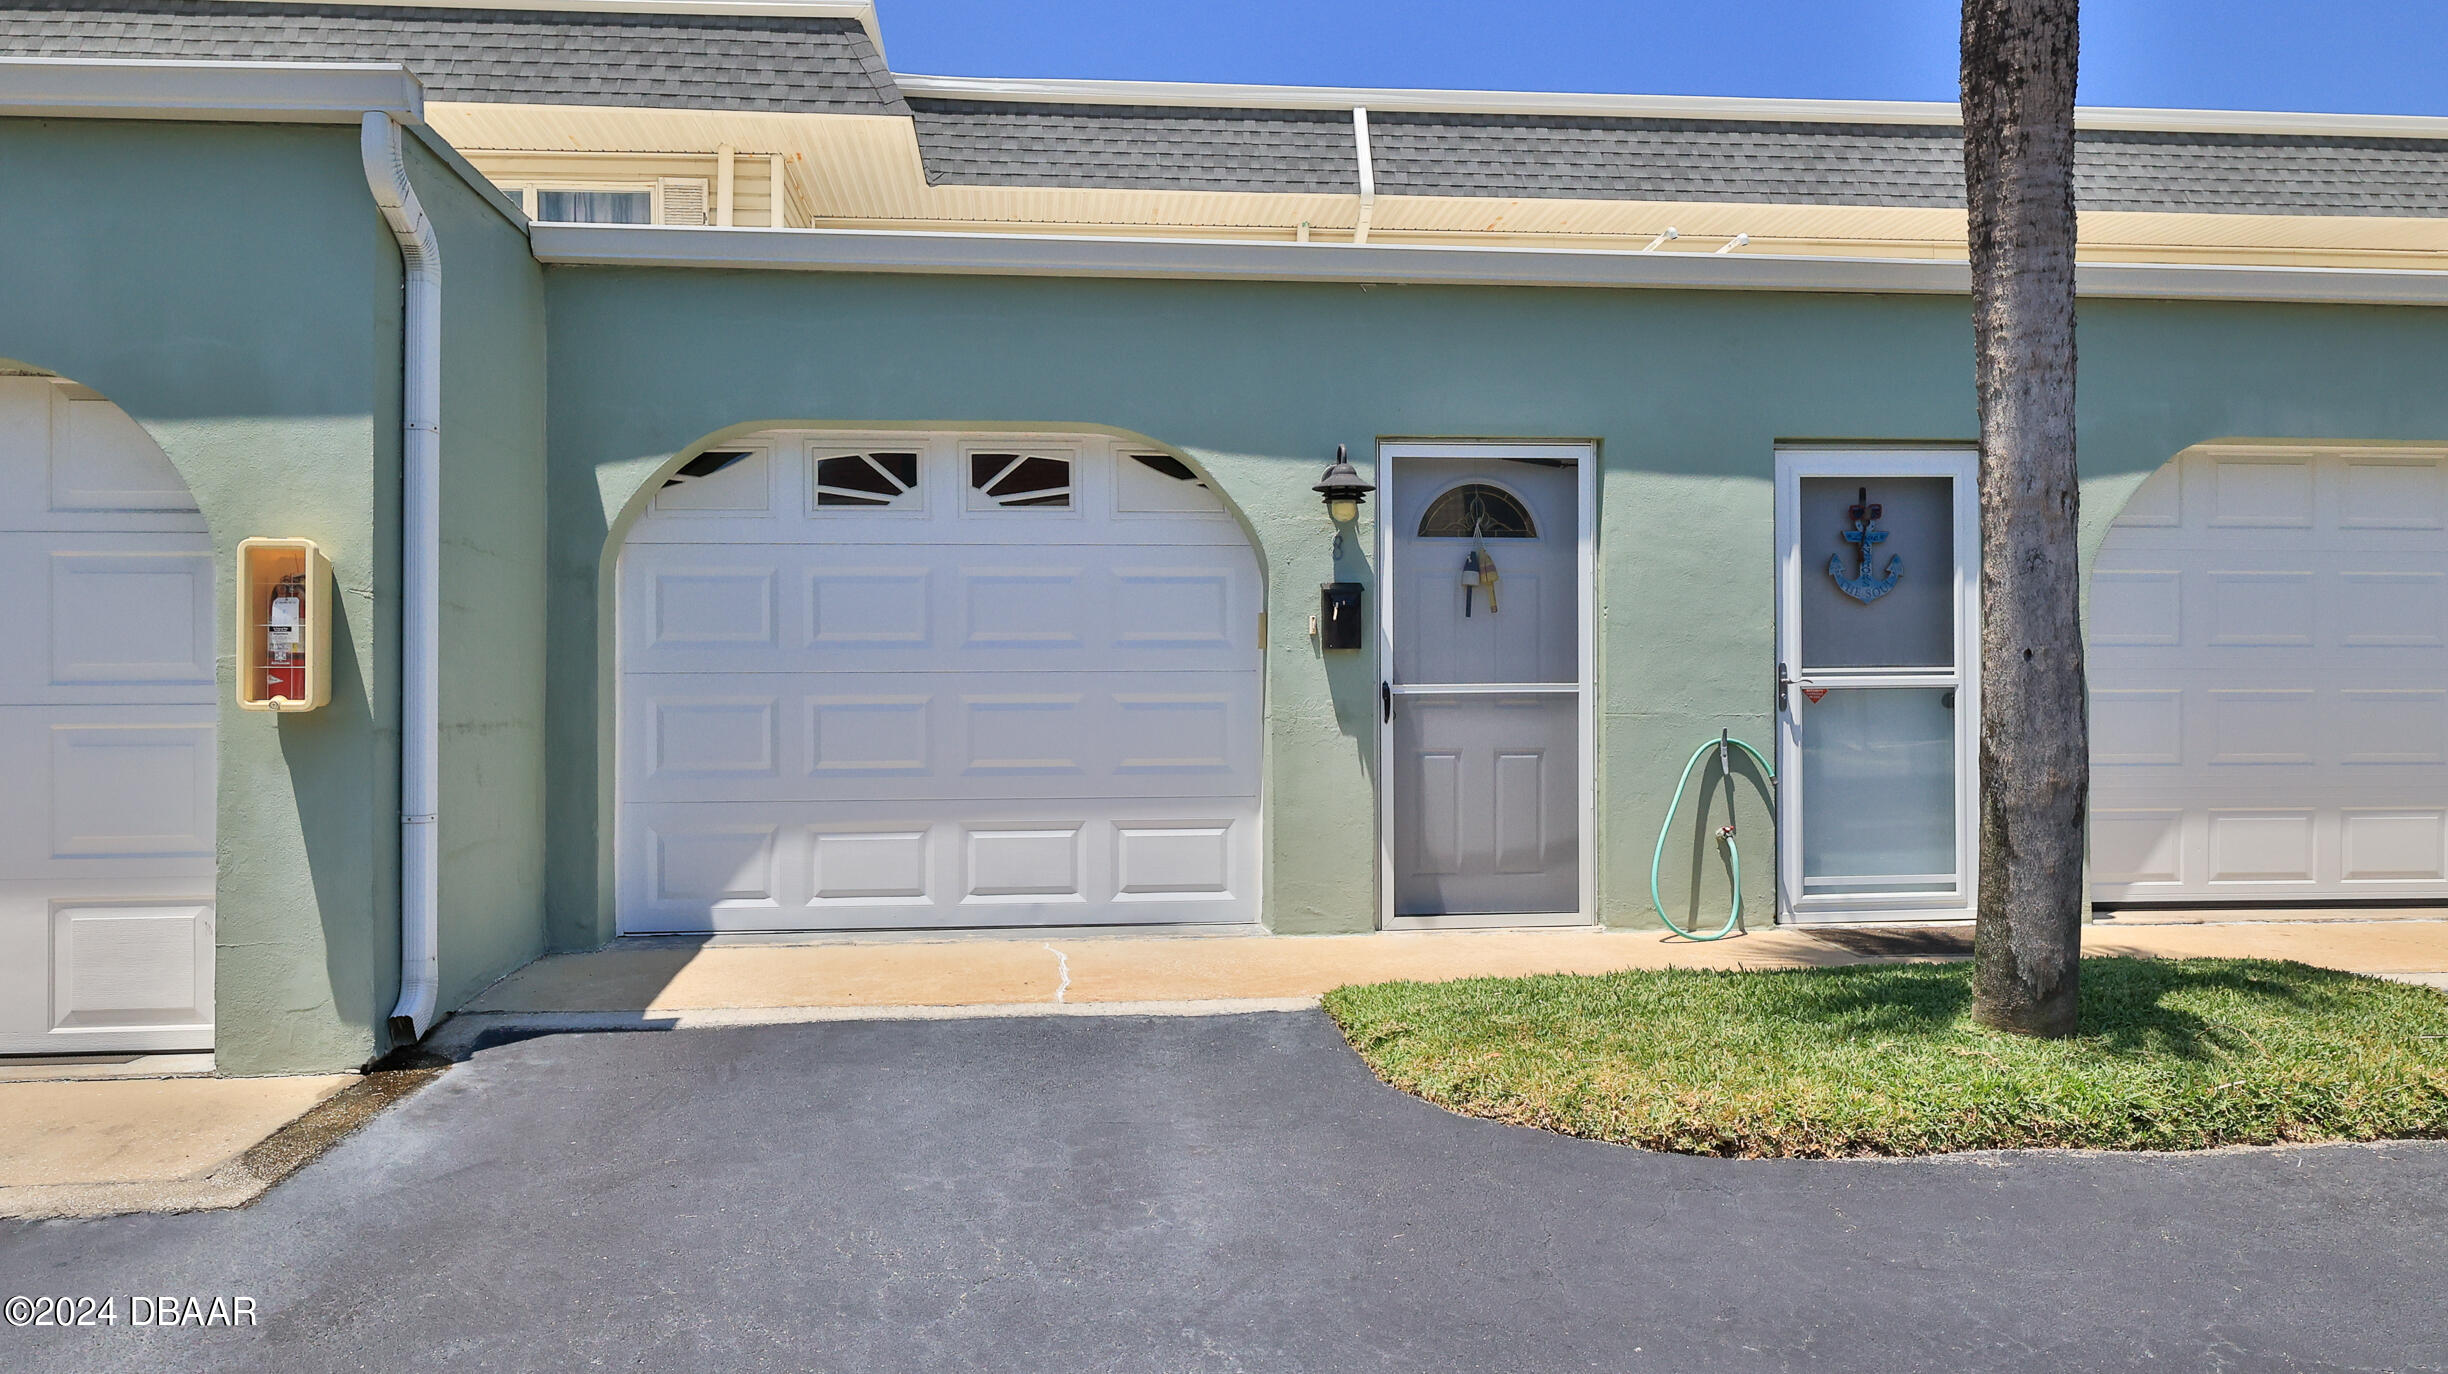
column 284, row 651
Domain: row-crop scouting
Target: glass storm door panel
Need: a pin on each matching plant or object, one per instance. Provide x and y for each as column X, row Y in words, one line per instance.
column 1483, row 698
column 1876, row 699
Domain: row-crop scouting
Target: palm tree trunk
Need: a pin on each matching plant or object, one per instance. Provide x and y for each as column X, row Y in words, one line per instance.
column 2018, row 108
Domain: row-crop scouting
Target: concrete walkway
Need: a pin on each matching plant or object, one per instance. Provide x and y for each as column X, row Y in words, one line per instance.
column 719, row 981
column 142, row 1144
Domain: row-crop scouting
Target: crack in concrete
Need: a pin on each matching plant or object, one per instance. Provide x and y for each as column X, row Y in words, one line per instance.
column 1062, row 965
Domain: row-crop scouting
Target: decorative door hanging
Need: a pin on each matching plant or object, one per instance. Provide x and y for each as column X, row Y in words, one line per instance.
column 1865, row 536
column 1478, row 573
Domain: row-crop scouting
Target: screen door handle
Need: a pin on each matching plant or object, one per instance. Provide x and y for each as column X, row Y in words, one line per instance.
column 1385, row 701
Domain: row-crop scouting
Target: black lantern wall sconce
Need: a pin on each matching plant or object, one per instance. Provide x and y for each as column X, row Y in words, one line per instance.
column 1342, row 490
column 1337, row 624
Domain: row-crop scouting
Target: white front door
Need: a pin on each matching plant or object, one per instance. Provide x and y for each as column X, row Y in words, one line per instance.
column 1484, row 556
column 107, row 711
column 937, row 681
column 2269, row 680
column 1877, row 663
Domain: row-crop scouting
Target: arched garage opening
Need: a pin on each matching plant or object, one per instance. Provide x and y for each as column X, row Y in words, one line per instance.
column 936, row 681
column 2269, row 679
column 107, row 707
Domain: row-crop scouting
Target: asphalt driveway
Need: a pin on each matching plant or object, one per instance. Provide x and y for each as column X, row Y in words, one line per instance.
column 1211, row 1194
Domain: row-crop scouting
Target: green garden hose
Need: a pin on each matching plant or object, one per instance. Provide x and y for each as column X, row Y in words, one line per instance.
column 1723, row 745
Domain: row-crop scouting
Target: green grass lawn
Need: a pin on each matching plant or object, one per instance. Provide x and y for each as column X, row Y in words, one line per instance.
column 2175, row 1054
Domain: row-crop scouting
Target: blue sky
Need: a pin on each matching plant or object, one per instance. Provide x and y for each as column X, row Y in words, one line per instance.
column 2361, row 56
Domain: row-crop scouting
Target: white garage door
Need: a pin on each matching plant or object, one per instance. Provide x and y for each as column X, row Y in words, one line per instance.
column 106, row 734
column 2269, row 680
column 911, row 681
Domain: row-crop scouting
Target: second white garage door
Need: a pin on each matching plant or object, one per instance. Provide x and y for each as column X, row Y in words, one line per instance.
column 2269, row 680
column 937, row 681
column 107, row 743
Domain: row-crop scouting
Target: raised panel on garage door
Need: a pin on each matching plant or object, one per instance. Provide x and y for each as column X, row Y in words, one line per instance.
column 107, row 734
column 938, row 681
column 764, row 608
column 777, row 737
column 2269, row 680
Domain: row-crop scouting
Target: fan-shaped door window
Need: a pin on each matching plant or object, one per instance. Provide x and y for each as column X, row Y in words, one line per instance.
column 1477, row 510
column 887, row 481
column 1015, row 480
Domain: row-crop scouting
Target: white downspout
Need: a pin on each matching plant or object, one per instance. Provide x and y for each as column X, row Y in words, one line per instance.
column 1368, row 175
column 420, row 573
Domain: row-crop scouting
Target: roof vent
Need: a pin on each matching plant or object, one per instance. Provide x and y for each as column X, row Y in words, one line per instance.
column 680, row 200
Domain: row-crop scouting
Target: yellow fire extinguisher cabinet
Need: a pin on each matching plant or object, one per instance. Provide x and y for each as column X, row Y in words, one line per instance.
column 284, row 625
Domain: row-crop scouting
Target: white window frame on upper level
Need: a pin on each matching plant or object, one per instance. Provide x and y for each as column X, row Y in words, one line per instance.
column 525, row 193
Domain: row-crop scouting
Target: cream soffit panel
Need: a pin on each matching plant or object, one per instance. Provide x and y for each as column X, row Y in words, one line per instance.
column 863, row 171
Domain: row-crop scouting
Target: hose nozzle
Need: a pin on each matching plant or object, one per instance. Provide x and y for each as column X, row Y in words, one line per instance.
column 1725, row 769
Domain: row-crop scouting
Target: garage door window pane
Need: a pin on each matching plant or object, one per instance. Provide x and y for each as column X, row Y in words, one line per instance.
column 1011, row 480
column 873, row 480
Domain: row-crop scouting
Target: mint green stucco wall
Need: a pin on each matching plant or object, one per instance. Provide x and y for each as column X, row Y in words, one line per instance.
column 256, row 333
column 493, row 537
column 1688, row 394
column 232, row 288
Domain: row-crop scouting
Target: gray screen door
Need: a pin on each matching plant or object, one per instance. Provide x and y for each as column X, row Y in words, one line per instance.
column 1485, row 698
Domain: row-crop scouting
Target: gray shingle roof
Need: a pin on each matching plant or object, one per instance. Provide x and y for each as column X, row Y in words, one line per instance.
column 811, row 63
column 1135, row 147
column 544, row 57
column 1658, row 159
column 2250, row 174
column 997, row 143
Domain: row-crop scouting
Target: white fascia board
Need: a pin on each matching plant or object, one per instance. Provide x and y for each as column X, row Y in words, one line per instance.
column 928, row 252
column 1736, row 108
column 263, row 92
column 861, row 10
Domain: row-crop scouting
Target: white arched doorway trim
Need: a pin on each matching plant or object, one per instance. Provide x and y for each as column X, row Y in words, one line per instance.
column 938, row 679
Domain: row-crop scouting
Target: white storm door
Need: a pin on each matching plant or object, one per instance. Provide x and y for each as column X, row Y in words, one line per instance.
column 1878, row 701
column 1485, row 703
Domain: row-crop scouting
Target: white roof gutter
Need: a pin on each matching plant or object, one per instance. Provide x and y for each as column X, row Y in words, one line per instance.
column 1368, row 175
column 1053, row 255
column 257, row 92
column 1218, row 95
column 862, row 11
column 386, row 172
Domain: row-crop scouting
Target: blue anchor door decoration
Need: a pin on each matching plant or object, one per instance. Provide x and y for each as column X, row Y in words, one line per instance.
column 1865, row 536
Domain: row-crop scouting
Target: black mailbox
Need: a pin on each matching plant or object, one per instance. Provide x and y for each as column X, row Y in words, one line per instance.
column 1339, row 615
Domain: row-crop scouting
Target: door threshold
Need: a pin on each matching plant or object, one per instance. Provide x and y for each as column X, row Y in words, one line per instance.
column 1896, row 919
column 50, row 1068
column 1536, row 920
column 936, row 935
